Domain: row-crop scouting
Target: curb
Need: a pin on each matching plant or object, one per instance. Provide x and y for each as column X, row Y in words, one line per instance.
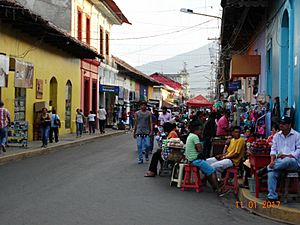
column 281, row 214
column 42, row 151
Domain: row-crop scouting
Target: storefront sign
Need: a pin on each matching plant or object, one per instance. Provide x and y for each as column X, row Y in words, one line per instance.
column 4, row 68
column 23, row 74
column 234, row 85
column 39, row 89
column 109, row 88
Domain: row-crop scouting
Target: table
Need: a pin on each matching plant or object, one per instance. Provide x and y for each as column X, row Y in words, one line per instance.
column 257, row 162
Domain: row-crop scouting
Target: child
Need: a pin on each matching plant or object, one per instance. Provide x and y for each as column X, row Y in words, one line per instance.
column 91, row 118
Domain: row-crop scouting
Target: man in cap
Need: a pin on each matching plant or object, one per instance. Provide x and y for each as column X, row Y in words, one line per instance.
column 142, row 131
column 285, row 155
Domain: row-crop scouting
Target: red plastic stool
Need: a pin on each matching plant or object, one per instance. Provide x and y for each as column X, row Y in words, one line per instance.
column 191, row 178
column 234, row 186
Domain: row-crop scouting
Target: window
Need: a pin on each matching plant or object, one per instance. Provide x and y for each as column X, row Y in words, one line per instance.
column 107, row 44
column 20, row 104
column 79, row 25
column 88, row 31
column 101, row 41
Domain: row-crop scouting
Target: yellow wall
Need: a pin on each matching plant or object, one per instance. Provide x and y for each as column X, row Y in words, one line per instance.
column 48, row 62
column 150, row 92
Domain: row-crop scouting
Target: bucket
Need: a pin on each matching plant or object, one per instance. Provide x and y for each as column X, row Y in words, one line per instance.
column 251, row 183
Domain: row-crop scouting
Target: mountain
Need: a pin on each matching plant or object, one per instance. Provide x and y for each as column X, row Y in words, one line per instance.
column 198, row 65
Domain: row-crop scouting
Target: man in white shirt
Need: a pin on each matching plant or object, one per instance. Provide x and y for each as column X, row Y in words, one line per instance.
column 164, row 117
column 285, row 155
column 102, row 119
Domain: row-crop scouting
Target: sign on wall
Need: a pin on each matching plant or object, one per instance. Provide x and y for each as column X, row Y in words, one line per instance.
column 39, row 89
column 4, row 68
column 109, row 88
column 23, row 74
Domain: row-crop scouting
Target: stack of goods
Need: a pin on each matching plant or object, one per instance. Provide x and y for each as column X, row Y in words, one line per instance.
column 175, row 143
column 260, row 146
column 172, row 149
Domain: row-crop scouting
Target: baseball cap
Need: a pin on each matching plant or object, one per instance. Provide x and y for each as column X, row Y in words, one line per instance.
column 286, row 120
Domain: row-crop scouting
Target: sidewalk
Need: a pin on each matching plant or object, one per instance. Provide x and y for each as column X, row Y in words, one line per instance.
column 285, row 213
column 14, row 153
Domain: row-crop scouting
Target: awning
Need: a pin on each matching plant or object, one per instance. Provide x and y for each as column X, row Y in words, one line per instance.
column 245, row 66
column 167, row 104
column 199, row 101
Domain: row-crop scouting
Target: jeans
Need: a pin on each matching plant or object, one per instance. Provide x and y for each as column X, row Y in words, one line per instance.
column 79, row 128
column 55, row 131
column 92, row 127
column 3, row 135
column 143, row 143
column 273, row 173
column 131, row 123
column 45, row 134
column 101, row 125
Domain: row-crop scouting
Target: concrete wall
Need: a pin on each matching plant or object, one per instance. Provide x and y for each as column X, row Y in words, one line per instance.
column 56, row 11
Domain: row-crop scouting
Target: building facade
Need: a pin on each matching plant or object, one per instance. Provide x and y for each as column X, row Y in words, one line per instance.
column 266, row 59
column 43, row 70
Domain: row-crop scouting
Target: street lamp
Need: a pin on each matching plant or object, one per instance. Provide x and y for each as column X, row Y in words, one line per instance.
column 184, row 10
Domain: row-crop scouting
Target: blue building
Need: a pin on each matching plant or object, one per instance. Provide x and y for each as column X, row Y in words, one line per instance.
column 260, row 45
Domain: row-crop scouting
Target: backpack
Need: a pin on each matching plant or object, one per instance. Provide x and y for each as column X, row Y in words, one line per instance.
column 56, row 121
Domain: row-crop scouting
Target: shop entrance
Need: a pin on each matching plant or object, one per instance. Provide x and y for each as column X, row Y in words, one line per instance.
column 94, row 96
column 284, row 58
column 68, row 110
column 86, row 100
column 53, row 93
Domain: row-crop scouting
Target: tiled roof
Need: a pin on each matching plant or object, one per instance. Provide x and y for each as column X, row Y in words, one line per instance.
column 167, row 81
column 134, row 70
column 23, row 19
column 118, row 13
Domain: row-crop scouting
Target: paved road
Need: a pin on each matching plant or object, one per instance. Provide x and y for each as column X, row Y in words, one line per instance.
column 101, row 183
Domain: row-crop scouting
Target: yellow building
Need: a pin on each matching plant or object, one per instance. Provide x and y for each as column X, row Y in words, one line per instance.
column 44, row 68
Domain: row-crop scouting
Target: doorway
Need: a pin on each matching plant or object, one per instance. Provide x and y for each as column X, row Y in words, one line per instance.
column 53, row 93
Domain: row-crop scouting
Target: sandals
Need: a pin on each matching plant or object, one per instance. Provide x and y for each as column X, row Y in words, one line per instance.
column 149, row 174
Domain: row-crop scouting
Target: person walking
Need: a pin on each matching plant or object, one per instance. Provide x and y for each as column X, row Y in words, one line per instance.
column 91, row 119
column 55, row 125
column 143, row 131
column 79, row 123
column 102, row 118
column 4, row 123
column 45, row 126
column 131, row 119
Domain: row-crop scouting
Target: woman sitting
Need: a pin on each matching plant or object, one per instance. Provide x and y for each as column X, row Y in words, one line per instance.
column 170, row 128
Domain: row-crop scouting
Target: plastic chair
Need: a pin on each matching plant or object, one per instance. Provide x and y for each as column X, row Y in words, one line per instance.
column 177, row 174
column 191, row 178
column 234, row 185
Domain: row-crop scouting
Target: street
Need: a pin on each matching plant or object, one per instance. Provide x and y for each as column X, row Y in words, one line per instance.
column 101, row 183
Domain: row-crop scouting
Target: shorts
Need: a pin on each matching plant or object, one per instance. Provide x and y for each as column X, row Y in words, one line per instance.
column 204, row 166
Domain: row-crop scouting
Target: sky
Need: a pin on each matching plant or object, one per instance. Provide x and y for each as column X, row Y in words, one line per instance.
column 159, row 30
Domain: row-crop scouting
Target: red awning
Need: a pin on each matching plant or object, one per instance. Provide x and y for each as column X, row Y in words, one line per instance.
column 199, row 101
